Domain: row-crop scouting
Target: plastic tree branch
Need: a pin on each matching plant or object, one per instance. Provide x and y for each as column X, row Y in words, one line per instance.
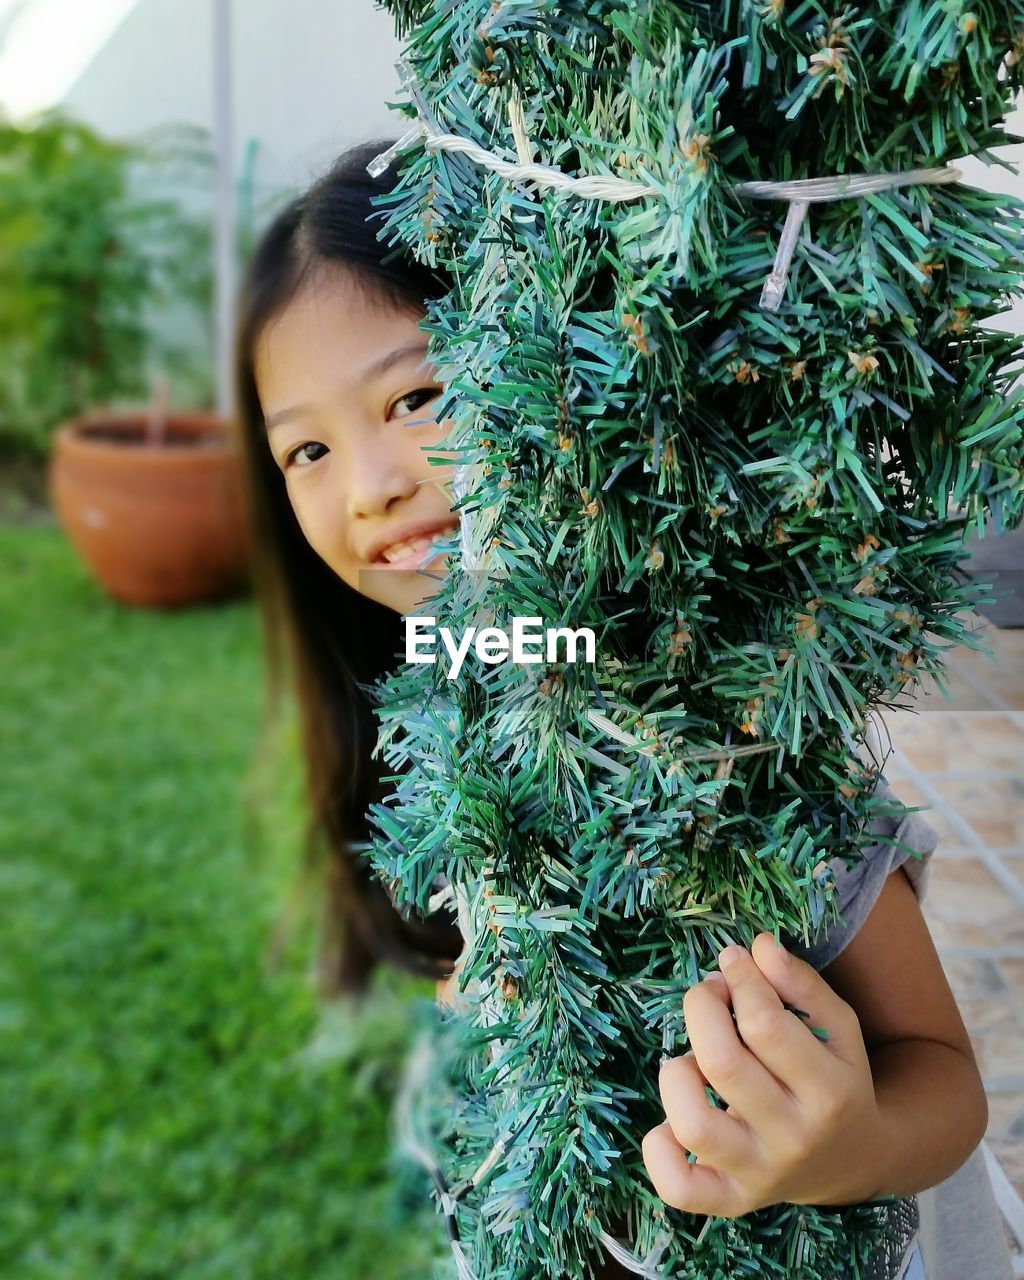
column 746, row 453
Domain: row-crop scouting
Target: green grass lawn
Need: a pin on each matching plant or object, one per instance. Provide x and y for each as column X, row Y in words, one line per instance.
column 170, row 1105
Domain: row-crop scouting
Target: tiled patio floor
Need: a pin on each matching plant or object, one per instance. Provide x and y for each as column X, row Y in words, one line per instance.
column 964, row 758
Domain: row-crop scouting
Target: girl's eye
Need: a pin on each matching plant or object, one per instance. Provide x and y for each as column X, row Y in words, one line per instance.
column 428, row 393
column 422, row 396
column 290, row 458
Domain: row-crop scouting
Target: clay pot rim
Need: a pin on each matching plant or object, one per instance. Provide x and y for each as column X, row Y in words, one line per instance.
column 206, row 426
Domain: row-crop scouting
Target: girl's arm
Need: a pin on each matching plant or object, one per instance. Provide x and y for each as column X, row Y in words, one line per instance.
column 928, row 1087
column 890, row 1104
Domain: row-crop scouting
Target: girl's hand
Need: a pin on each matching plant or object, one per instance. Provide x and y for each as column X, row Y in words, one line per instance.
column 802, row 1124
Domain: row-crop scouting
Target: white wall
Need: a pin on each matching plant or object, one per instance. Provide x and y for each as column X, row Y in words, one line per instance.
column 310, row 78
column 995, row 178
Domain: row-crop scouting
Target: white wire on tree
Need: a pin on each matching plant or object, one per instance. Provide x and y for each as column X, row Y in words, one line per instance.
column 800, row 192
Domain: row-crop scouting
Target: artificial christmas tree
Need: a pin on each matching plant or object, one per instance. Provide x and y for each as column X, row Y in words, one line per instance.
column 739, row 431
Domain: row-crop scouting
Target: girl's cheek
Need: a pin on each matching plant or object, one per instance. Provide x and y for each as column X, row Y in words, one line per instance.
column 311, row 519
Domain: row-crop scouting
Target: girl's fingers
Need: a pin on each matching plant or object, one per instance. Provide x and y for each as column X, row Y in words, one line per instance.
column 693, row 1188
column 727, row 1063
column 715, row 1137
column 766, row 979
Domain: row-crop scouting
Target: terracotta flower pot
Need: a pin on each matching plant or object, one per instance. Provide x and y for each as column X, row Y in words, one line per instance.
column 160, row 523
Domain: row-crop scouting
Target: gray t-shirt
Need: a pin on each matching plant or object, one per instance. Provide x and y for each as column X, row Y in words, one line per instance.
column 960, row 1233
column 904, row 840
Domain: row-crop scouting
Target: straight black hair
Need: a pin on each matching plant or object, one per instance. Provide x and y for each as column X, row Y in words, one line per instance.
column 321, row 637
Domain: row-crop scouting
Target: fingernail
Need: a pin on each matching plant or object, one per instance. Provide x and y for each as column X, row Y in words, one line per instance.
column 729, row 957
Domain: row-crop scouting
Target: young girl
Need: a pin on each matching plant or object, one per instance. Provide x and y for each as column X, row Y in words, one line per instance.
column 335, row 410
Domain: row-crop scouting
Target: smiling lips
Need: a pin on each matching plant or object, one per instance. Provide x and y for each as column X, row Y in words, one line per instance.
column 409, row 554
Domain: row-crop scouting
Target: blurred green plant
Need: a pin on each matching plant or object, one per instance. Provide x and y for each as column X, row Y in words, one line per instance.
column 98, row 237
column 175, row 1103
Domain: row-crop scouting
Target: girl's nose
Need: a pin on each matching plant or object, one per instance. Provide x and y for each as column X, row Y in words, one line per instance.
column 376, row 480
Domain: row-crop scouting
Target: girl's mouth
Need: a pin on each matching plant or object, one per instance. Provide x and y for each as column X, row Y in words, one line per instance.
column 411, row 554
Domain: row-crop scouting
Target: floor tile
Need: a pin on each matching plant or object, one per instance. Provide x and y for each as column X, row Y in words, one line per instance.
column 954, row 934
column 1006, row 1117
column 968, row 754
column 1011, row 974
column 955, row 693
column 1014, row 863
column 949, row 742
column 1007, row 932
column 985, row 1015
column 964, row 891
column 993, row 807
column 1000, row 1052
column 976, row 978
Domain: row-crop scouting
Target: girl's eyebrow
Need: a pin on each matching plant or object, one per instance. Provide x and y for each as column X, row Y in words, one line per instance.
column 376, row 369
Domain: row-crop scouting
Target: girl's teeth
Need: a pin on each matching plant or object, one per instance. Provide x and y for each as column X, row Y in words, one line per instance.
column 402, row 549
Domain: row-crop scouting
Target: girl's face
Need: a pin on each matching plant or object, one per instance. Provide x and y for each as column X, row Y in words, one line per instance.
column 340, row 379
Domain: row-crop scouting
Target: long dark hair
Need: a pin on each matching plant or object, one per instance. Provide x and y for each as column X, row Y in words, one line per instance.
column 333, row 638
